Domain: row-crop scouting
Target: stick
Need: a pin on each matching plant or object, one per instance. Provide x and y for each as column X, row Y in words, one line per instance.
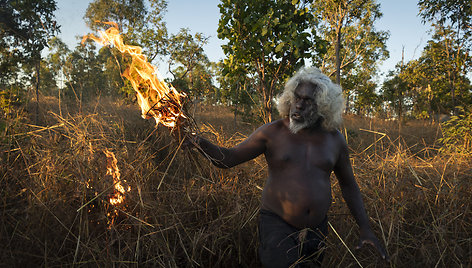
column 342, row 241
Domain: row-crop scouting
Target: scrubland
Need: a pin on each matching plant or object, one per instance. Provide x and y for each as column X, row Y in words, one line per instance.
column 182, row 212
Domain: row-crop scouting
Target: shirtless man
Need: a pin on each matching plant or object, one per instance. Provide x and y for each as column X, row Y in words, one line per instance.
column 301, row 151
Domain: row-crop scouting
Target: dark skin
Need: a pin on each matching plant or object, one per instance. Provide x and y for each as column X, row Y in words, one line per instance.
column 298, row 187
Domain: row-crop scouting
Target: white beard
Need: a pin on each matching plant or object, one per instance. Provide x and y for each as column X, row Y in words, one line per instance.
column 295, row 126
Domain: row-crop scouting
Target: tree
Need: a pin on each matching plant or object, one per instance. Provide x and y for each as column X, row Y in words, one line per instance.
column 365, row 100
column 236, row 90
column 189, row 64
column 431, row 76
column 452, row 22
column 348, row 26
column 394, row 91
column 84, row 72
column 138, row 26
column 153, row 34
column 26, row 27
column 267, row 41
column 456, row 13
column 127, row 14
column 354, row 46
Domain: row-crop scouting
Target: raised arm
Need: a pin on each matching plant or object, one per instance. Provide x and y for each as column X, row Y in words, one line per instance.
column 352, row 196
column 223, row 157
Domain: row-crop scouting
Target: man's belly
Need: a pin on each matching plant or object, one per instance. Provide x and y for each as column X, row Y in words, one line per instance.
column 302, row 202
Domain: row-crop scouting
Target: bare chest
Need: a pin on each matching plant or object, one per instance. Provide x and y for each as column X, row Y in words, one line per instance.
column 303, row 153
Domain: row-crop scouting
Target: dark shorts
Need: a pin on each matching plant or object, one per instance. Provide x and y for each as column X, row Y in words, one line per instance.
column 283, row 245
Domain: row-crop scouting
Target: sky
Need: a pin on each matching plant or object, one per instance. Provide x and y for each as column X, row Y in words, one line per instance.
column 399, row 18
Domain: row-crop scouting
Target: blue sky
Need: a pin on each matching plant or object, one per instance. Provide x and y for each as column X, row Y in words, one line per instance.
column 399, row 18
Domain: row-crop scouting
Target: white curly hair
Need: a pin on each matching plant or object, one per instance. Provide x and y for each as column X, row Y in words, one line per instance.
column 329, row 97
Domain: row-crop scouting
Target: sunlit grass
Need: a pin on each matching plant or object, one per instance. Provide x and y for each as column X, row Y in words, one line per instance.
column 181, row 211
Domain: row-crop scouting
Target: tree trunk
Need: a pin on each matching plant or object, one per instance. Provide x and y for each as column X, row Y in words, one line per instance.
column 38, row 68
column 453, row 94
column 267, row 110
column 337, row 48
column 236, row 106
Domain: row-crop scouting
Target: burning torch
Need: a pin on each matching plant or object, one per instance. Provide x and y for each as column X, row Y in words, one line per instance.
column 156, row 98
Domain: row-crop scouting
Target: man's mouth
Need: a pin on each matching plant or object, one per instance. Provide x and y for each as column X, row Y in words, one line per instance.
column 296, row 116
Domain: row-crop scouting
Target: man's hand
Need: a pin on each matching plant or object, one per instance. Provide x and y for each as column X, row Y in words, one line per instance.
column 368, row 237
column 190, row 141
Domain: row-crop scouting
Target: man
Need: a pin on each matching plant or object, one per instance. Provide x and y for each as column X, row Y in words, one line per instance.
column 301, row 151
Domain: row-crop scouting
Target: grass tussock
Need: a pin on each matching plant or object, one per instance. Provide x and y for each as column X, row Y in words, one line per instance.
column 183, row 212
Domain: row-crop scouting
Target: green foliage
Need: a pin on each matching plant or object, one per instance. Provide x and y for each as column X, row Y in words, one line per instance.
column 457, row 132
column 438, row 81
column 84, row 73
column 26, row 26
column 395, row 92
column 192, row 71
column 351, row 23
column 267, row 41
column 138, row 25
column 240, row 95
column 450, row 47
column 354, row 48
column 363, row 93
column 9, row 98
column 457, row 13
column 127, row 14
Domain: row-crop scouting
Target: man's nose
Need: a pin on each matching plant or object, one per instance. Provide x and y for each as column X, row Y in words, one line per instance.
column 299, row 104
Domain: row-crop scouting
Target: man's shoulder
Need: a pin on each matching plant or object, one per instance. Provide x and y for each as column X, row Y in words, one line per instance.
column 274, row 125
column 334, row 137
column 272, row 129
column 337, row 135
column 339, row 139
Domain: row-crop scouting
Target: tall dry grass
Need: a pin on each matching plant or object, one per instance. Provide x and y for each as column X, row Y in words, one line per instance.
column 182, row 212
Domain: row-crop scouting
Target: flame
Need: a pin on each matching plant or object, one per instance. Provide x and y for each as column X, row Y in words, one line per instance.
column 119, row 192
column 156, row 98
column 112, row 170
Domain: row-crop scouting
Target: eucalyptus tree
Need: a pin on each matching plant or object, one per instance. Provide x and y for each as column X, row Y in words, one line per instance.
column 456, row 13
column 84, row 72
column 354, row 46
column 192, row 71
column 237, row 91
column 395, row 92
column 267, row 41
column 26, row 27
column 431, row 76
column 451, row 20
column 140, row 22
column 348, row 26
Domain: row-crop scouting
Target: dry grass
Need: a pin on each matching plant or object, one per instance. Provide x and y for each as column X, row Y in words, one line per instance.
column 183, row 212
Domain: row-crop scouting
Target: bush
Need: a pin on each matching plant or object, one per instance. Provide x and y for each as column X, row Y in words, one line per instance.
column 457, row 132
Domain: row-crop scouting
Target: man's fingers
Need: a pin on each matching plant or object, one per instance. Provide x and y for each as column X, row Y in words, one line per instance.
column 376, row 245
column 363, row 242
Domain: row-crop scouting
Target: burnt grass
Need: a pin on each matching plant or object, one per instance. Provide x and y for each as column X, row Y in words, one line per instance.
column 183, row 212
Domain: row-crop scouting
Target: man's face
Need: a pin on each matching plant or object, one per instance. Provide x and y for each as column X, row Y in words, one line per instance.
column 303, row 109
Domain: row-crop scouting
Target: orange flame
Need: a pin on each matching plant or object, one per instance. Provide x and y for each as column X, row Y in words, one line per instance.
column 156, row 99
column 118, row 196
